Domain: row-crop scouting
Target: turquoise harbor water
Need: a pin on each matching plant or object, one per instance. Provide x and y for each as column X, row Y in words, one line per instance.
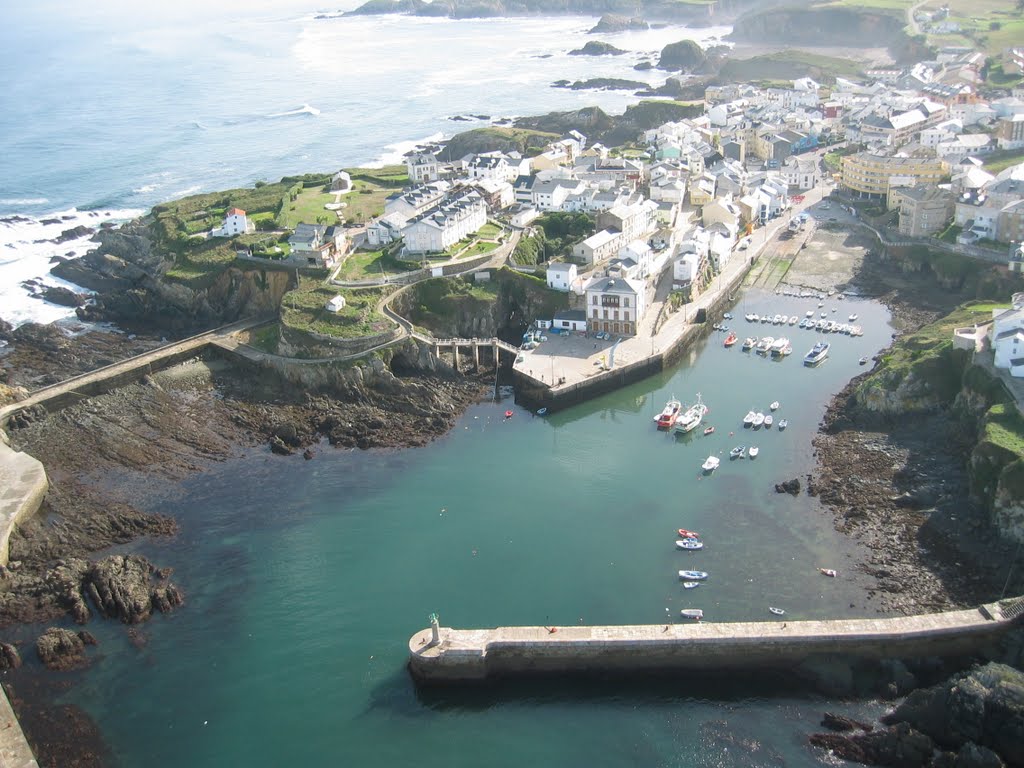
column 304, row 581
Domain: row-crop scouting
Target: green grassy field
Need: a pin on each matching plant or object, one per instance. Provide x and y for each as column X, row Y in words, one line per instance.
column 308, row 208
column 1000, row 161
column 303, row 309
column 787, row 65
column 363, row 265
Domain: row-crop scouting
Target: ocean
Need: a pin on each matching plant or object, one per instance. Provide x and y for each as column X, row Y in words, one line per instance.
column 304, row 580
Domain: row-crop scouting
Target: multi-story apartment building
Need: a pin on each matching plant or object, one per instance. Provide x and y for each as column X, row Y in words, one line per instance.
column 868, row 174
column 615, row 305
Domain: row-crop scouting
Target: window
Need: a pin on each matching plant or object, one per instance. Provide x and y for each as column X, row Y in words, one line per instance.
column 606, row 315
column 595, row 314
column 616, row 314
column 566, row 324
column 595, row 299
column 625, row 301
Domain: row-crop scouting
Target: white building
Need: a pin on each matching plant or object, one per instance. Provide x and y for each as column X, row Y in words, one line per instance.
column 440, row 227
column 385, row 229
column 422, row 168
column 336, row 304
column 235, row 223
column 1008, row 336
column 615, row 305
column 561, row 275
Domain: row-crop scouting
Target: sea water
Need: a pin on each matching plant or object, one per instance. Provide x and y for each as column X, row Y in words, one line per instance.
column 304, row 580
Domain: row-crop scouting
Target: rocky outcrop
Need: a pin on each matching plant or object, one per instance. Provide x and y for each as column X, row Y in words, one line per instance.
column 61, row 649
column 9, row 657
column 684, row 56
column 58, row 294
column 788, row 486
column 613, row 22
column 829, row 26
column 900, row 746
column 121, row 587
column 984, row 707
column 597, row 48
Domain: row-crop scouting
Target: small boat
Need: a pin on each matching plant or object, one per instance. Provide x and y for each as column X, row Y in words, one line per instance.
column 750, row 317
column 764, row 344
column 809, row 313
column 727, row 315
column 817, row 353
column 774, row 406
column 754, row 450
column 777, row 611
column 778, row 345
column 692, row 613
column 690, row 584
column 852, row 317
column 508, row 414
column 686, row 534
column 542, row 411
column 864, row 360
column 692, row 417
column 738, row 452
column 730, row 339
column 667, row 418
column 830, row 572
column 710, row 464
column 709, row 430
column 748, row 343
column 794, row 320
column 758, row 419
column 689, row 544
column 748, row 420
column 693, row 575
column 768, row 419
column 783, row 424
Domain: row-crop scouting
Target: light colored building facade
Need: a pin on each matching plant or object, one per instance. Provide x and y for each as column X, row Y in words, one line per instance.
column 869, row 174
column 442, row 226
column 615, row 305
column 924, row 210
column 561, row 275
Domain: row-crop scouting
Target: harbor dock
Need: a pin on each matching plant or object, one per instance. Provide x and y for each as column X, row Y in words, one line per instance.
column 442, row 654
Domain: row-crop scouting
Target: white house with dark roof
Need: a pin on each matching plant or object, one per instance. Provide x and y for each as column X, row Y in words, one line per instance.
column 412, row 202
column 1008, row 336
column 615, row 305
column 385, row 229
column 440, row 227
column 422, row 168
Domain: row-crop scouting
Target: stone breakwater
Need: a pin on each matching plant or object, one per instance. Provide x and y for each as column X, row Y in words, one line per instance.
column 468, row 655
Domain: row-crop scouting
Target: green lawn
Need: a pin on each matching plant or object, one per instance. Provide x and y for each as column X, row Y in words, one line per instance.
column 1000, row 161
column 489, row 231
column 303, row 309
column 787, row 65
column 478, row 248
column 308, row 208
column 363, row 265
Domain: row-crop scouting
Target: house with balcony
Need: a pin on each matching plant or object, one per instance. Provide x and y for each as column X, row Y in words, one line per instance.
column 868, row 174
column 615, row 305
column 422, row 168
column 924, row 210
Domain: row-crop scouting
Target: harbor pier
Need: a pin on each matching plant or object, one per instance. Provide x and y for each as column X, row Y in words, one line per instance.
column 443, row 655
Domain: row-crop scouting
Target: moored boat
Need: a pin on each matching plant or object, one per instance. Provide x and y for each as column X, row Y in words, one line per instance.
column 764, row 344
column 691, row 584
column 817, row 353
column 687, row 534
column 690, row 418
column 748, row 343
column 748, row 420
column 774, row 406
column 778, row 345
column 754, row 450
column 667, row 418
column 709, row 430
column 794, row 320
column 830, row 572
column 692, row 613
column 710, row 464
column 689, row 544
column 783, row 424
column 863, row 360
column 738, row 452
column 758, row 419
column 768, row 419
column 777, row 611
column 730, row 339
column 693, row 575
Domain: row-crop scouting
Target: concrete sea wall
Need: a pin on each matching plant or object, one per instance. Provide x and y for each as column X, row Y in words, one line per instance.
column 466, row 655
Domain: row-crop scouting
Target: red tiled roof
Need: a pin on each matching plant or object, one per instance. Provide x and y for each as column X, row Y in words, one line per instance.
column 235, row 211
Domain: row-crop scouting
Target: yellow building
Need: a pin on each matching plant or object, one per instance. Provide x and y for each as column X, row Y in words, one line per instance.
column 869, row 174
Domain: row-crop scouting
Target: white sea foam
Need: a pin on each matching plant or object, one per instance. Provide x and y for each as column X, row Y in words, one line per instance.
column 23, row 201
column 26, row 248
column 394, row 154
column 305, row 109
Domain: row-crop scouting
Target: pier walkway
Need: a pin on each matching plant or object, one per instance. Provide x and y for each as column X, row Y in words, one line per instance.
column 476, row 654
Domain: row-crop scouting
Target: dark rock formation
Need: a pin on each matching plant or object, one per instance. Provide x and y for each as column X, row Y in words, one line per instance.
column 842, row 723
column 57, row 294
column 613, row 22
column 898, row 745
column 597, row 48
column 121, row 588
column 984, row 706
column 601, row 84
column 61, row 649
column 9, row 657
column 788, row 486
column 73, row 234
column 684, row 56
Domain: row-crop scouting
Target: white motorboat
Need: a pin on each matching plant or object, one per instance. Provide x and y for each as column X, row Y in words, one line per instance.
column 754, row 450
column 794, row 320
column 852, row 317
column 693, row 575
column 777, row 611
column 768, row 419
column 691, row 416
column 750, row 317
column 692, row 613
column 689, row 544
column 758, row 419
column 690, row 584
column 817, row 353
column 774, row 406
column 778, row 345
column 748, row 343
column 809, row 313
column 864, row 360
column 749, row 418
column 783, row 424
column 765, row 344
column 738, row 452
column 710, row 464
